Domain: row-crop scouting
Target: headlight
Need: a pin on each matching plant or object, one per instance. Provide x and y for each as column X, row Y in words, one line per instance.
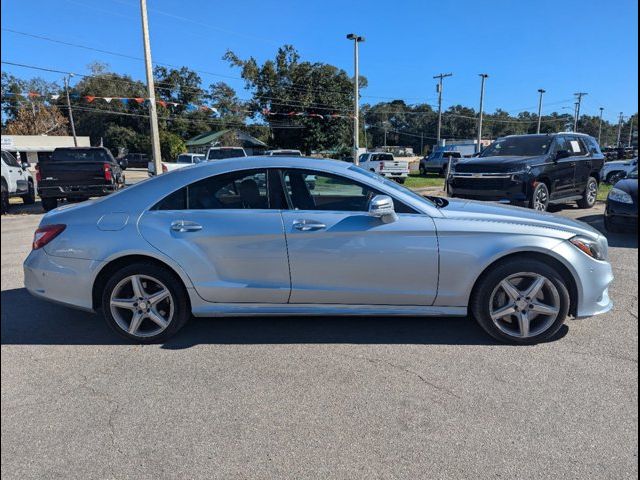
column 591, row 247
column 619, row 196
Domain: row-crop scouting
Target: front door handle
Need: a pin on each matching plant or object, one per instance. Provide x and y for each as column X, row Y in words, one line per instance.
column 183, row 226
column 308, row 225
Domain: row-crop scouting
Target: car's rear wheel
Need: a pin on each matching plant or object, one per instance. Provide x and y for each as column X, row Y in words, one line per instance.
column 521, row 301
column 540, row 198
column 423, row 172
column 29, row 198
column 145, row 303
column 49, row 204
column 590, row 194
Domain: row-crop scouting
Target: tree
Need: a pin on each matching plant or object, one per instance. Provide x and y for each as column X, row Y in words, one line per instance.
column 171, row 145
column 286, row 85
column 38, row 120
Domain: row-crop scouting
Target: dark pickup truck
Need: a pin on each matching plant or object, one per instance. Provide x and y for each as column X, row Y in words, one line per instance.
column 533, row 171
column 77, row 174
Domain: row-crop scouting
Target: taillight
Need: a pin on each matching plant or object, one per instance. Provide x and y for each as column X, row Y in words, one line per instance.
column 164, row 168
column 106, row 168
column 45, row 234
column 38, row 175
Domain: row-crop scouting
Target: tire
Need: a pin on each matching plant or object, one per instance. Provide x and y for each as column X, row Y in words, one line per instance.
column 489, row 296
column 49, row 204
column 423, row 172
column 590, row 194
column 401, row 180
column 174, row 310
column 30, row 197
column 540, row 198
column 4, row 200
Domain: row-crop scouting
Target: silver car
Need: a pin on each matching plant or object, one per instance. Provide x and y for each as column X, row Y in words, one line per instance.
column 247, row 236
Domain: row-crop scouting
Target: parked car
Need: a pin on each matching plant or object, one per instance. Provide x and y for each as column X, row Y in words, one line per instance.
column 612, row 172
column 622, row 205
column 17, row 181
column 210, row 241
column 283, row 153
column 136, row 160
column 220, row 153
column 385, row 164
column 438, row 162
column 183, row 160
column 76, row 174
column 532, row 170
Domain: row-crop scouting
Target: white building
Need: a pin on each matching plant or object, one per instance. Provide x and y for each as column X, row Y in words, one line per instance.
column 34, row 147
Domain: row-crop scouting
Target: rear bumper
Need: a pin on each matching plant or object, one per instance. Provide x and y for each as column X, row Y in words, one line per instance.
column 394, row 174
column 81, row 191
column 67, row 281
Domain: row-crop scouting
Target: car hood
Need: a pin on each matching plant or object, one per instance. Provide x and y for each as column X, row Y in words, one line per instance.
column 495, row 164
column 630, row 186
column 618, row 163
column 550, row 224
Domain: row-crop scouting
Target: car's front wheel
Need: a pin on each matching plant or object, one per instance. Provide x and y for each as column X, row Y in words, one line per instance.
column 521, row 301
column 145, row 303
column 540, row 198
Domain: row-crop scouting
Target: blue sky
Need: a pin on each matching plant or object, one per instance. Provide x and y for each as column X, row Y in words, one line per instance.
column 564, row 46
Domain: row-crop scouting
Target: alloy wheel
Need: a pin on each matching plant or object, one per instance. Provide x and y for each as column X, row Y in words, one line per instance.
column 592, row 192
column 141, row 305
column 524, row 305
column 541, row 199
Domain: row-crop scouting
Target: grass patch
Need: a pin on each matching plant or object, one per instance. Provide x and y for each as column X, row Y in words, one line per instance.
column 604, row 190
column 418, row 181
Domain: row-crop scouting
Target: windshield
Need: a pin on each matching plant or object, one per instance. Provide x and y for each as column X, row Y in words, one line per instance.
column 225, row 153
column 525, row 146
column 391, row 184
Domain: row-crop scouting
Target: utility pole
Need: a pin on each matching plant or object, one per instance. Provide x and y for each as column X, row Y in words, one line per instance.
column 153, row 114
column 483, row 76
column 541, row 91
column 356, row 96
column 73, row 126
column 600, row 126
column 579, row 96
column 421, row 143
column 439, row 88
column 630, row 130
column 619, row 129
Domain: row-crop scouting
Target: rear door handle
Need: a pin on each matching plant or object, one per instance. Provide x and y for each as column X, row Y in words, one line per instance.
column 308, row 225
column 183, row 226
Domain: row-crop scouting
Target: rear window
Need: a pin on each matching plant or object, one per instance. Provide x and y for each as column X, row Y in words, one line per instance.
column 225, row 153
column 80, row 155
column 384, row 157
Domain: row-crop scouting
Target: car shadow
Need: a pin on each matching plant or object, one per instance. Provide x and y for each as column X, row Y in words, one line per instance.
column 22, row 209
column 29, row 321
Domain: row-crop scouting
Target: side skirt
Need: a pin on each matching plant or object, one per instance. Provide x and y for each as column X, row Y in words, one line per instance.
column 251, row 309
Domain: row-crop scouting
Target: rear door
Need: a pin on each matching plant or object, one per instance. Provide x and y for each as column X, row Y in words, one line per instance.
column 339, row 254
column 584, row 162
column 226, row 232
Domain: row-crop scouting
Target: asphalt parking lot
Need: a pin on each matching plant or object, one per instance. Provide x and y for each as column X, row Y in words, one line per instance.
column 315, row 397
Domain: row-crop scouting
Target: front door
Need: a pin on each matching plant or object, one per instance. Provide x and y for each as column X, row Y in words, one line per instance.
column 339, row 254
column 562, row 172
column 226, row 236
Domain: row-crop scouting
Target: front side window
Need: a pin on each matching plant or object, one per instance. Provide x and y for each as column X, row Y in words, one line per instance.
column 308, row 190
column 237, row 190
column 10, row 160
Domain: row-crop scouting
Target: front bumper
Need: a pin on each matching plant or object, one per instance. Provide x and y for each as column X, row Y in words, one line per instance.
column 622, row 214
column 68, row 281
column 490, row 189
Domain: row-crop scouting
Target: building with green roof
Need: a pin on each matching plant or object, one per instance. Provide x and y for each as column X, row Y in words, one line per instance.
column 226, row 138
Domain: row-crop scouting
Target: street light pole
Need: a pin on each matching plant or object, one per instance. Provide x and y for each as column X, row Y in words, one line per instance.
column 600, row 126
column 73, row 125
column 153, row 114
column 483, row 77
column 579, row 96
column 619, row 129
column 541, row 91
column 630, row 130
column 440, row 78
column 356, row 96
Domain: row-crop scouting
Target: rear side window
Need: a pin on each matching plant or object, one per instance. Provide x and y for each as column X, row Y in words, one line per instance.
column 576, row 147
column 247, row 189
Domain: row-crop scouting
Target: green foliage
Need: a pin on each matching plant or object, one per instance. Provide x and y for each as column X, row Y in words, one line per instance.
column 171, row 145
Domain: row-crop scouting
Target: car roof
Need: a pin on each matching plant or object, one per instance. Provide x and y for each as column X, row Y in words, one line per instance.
column 555, row 134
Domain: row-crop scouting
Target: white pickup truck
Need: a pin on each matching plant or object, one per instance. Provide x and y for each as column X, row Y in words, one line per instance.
column 384, row 164
column 17, row 181
column 183, row 160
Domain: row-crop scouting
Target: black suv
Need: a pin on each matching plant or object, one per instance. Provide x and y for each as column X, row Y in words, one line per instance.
column 532, row 170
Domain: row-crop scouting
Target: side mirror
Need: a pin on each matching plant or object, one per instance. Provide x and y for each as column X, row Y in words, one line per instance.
column 124, row 163
column 560, row 154
column 381, row 206
column 24, row 165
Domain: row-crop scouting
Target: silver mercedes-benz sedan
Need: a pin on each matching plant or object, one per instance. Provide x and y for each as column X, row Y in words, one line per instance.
column 301, row 236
